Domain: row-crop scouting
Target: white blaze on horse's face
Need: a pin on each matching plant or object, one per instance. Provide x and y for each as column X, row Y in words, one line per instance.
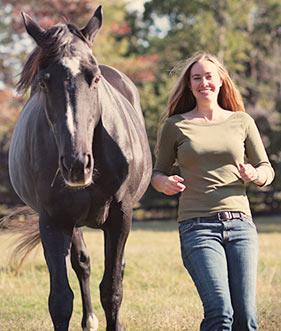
column 72, row 65
column 70, row 118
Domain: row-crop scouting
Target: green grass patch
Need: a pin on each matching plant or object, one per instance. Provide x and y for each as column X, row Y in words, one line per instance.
column 158, row 292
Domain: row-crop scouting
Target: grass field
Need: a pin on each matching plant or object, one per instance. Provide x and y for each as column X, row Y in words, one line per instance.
column 158, row 293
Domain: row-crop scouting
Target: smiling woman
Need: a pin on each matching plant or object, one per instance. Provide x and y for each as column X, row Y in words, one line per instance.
column 208, row 133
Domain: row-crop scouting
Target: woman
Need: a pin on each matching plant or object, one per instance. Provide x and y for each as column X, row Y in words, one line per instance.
column 218, row 149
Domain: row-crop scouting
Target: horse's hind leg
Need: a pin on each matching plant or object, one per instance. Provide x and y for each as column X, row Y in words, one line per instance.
column 116, row 233
column 56, row 250
column 81, row 264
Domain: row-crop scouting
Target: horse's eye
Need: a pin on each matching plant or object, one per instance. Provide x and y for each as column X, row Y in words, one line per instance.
column 42, row 84
column 97, row 79
column 42, row 80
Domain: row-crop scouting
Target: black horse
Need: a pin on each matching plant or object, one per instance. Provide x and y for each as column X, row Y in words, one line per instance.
column 79, row 156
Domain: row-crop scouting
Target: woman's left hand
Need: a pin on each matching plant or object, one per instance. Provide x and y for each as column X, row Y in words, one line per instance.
column 248, row 173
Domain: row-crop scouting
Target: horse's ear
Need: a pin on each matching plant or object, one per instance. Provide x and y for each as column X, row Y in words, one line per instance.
column 94, row 25
column 33, row 29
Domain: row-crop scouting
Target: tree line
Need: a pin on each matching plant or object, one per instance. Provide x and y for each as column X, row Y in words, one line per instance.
column 150, row 47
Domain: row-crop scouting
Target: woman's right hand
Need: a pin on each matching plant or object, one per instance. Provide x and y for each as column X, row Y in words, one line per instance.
column 169, row 185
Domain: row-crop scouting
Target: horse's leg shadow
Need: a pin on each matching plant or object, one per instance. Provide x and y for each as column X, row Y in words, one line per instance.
column 81, row 264
column 111, row 289
column 56, row 246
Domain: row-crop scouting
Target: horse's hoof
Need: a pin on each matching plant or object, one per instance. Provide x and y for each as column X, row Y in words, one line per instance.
column 92, row 323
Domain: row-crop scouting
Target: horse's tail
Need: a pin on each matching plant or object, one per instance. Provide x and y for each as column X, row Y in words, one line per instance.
column 23, row 221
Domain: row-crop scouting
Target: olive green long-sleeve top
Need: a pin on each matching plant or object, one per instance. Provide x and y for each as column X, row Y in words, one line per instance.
column 208, row 155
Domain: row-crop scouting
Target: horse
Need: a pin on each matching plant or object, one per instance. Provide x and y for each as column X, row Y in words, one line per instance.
column 79, row 156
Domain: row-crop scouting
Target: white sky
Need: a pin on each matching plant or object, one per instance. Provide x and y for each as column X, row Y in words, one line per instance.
column 161, row 24
column 136, row 5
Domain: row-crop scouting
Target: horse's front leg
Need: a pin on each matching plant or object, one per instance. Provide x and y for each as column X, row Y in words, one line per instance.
column 111, row 288
column 56, row 246
column 81, row 264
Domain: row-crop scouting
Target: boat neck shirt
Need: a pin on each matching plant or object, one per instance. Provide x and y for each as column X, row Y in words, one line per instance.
column 208, row 156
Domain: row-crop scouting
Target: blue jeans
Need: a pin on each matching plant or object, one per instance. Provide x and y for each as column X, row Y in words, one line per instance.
column 221, row 257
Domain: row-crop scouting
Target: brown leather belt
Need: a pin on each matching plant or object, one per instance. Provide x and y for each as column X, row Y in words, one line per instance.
column 222, row 216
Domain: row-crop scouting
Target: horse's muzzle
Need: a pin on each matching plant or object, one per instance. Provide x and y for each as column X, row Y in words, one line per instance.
column 77, row 172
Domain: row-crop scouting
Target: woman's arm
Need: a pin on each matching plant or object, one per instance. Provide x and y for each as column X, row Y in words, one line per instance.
column 251, row 174
column 257, row 156
column 169, row 185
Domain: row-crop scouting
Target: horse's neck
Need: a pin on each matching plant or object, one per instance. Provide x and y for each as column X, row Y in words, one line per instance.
column 34, row 87
column 113, row 104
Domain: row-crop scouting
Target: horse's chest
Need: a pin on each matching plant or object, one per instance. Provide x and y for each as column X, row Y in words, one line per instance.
column 98, row 211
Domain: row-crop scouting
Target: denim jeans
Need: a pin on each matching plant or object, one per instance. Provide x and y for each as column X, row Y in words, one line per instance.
column 221, row 257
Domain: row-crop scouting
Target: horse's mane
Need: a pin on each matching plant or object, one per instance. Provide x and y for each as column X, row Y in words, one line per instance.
column 53, row 48
column 29, row 70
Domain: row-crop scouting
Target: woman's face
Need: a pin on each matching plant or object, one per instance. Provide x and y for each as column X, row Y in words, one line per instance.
column 205, row 82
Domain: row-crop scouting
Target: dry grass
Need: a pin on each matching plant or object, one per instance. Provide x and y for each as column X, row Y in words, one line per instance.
column 158, row 293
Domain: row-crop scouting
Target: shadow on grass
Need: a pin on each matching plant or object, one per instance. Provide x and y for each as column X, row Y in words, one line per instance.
column 264, row 224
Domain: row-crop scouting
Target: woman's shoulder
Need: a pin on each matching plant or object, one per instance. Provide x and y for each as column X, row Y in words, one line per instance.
column 243, row 115
column 175, row 120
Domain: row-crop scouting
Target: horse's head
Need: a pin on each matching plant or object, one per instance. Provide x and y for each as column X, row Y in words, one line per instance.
column 67, row 75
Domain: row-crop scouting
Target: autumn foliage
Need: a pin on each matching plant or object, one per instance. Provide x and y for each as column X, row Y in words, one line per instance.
column 246, row 35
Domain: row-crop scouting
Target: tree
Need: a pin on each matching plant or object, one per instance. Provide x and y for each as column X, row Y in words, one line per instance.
column 244, row 34
column 110, row 48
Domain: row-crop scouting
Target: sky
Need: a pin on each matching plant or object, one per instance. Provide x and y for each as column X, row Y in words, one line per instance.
column 161, row 24
column 136, row 5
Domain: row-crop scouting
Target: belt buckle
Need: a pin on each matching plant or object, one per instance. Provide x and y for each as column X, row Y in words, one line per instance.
column 224, row 215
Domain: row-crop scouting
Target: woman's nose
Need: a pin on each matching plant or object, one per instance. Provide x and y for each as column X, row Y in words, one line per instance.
column 203, row 81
